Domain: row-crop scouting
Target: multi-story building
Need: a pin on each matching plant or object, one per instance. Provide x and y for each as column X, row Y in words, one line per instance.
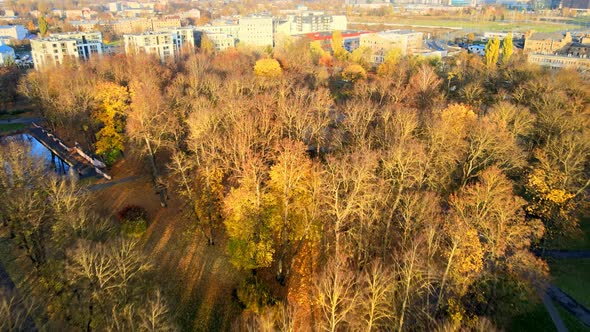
column 220, row 41
column 256, row 31
column 309, row 22
column 85, row 25
column 131, row 25
column 223, row 35
column 57, row 47
column 350, row 39
column 226, row 29
column 17, row 32
column 165, row 23
column 115, row 7
column 6, row 53
column 317, row 21
column 381, row 42
column 138, row 25
column 164, row 44
column 560, row 61
column 160, row 43
column 546, row 43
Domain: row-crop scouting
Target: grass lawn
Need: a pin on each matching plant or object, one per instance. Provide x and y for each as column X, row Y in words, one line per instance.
column 583, row 241
column 198, row 279
column 8, row 127
column 572, row 324
column 573, row 277
column 537, row 319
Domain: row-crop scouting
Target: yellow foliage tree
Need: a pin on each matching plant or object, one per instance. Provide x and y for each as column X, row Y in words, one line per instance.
column 338, row 46
column 551, row 203
column 113, row 103
column 353, row 73
column 268, row 68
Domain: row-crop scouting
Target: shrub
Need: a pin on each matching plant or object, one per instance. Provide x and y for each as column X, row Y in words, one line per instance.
column 255, row 295
column 134, row 228
column 132, row 212
column 133, row 219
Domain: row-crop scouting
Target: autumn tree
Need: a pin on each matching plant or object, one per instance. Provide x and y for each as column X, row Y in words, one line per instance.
column 507, row 48
column 113, row 104
column 353, row 73
column 247, row 221
column 492, row 50
column 269, row 68
column 43, row 26
column 292, row 186
column 506, row 235
column 148, row 123
column 338, row 46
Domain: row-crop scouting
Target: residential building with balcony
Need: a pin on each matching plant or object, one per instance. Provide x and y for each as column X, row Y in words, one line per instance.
column 57, row 47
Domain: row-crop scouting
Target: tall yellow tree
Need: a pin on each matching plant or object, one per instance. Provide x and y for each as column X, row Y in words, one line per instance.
column 507, row 48
column 113, row 104
column 492, row 52
column 338, row 46
column 290, row 186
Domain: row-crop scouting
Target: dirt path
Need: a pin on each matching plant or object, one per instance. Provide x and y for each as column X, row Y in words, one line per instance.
column 104, row 185
column 574, row 307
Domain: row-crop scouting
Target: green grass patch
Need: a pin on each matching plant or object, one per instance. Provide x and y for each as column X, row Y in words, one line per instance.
column 9, row 127
column 573, row 277
column 11, row 114
column 571, row 322
column 536, row 319
column 581, row 242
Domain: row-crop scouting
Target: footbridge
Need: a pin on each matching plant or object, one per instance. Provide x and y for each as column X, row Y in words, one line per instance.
column 83, row 164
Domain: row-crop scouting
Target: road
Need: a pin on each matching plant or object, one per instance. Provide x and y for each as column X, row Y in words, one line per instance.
column 22, row 120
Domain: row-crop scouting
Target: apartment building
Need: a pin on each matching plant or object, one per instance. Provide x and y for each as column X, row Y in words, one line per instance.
column 57, row 47
column 381, row 42
column 165, row 23
column 307, row 22
column 256, row 31
column 220, row 41
column 225, row 29
column 137, row 25
column 546, row 43
column 85, row 25
column 560, row 61
column 164, row 44
column 17, row 32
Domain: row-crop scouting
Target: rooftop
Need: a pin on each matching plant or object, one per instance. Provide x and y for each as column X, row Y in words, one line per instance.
column 547, row 35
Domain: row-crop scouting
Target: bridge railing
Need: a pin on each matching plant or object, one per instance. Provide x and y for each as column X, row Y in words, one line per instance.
column 93, row 161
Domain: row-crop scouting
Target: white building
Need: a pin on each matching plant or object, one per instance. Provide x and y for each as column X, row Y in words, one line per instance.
column 406, row 41
column 18, row 32
column 310, row 21
column 6, row 53
column 256, row 31
column 164, row 44
column 226, row 29
column 220, row 41
column 57, row 47
column 115, row 7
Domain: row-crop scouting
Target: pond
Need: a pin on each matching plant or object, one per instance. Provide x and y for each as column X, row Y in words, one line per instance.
column 38, row 150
